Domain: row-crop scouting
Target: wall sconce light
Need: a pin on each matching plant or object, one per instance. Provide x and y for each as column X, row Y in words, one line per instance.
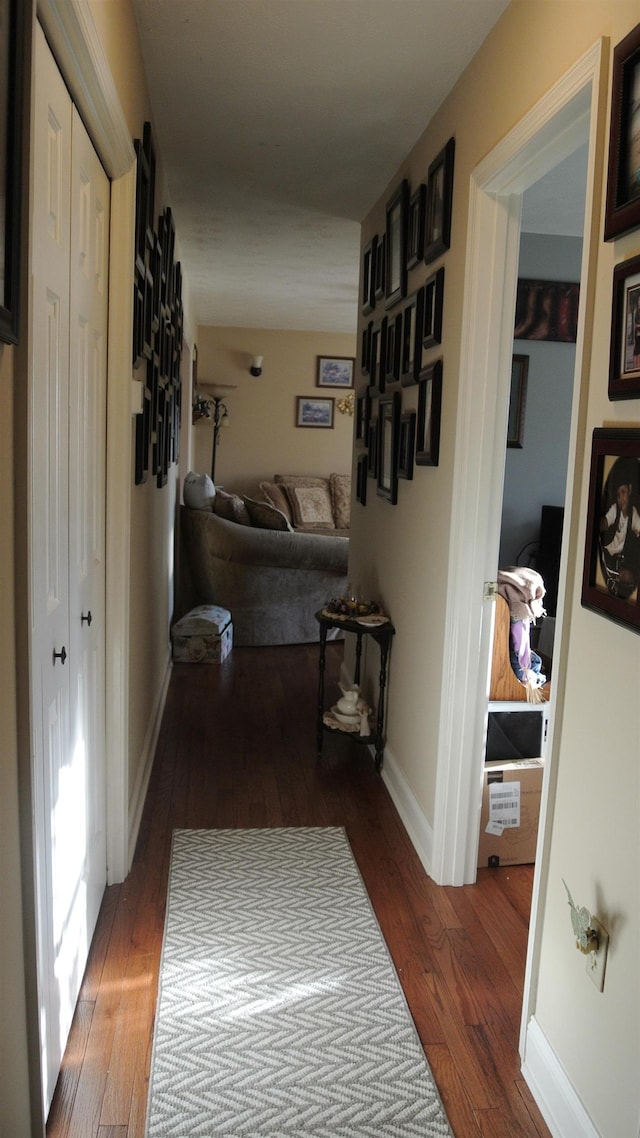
column 256, row 365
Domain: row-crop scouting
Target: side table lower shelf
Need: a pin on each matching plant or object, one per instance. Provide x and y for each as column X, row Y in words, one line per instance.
column 382, row 634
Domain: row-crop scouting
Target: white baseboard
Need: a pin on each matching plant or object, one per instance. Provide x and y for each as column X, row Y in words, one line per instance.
column 145, row 764
column 418, row 828
column 547, row 1080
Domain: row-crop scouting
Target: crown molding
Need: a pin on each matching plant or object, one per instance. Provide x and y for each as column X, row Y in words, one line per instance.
column 76, row 45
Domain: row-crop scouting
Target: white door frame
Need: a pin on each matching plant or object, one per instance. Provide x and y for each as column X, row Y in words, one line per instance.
column 559, row 123
column 74, row 41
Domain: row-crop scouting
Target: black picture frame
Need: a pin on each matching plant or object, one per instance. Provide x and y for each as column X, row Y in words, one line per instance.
column 12, row 78
column 376, row 359
column 365, row 348
column 432, row 309
column 396, row 245
column 392, row 342
column 368, row 268
column 406, row 444
column 415, row 226
column 362, row 415
column 517, row 401
column 429, row 413
column 388, row 435
column 380, row 269
column 372, row 453
column 622, row 210
column 411, row 356
column 362, row 464
column 437, row 237
column 610, row 582
column 624, row 352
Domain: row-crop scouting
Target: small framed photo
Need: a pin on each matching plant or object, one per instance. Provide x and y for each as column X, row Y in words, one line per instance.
column 437, row 238
column 622, row 213
column 415, row 226
column 624, row 355
column 611, row 572
column 429, row 409
column 411, row 357
column 361, row 479
column 433, row 306
column 396, row 245
column 547, row 310
column 406, row 444
column 517, row 401
column 335, row 371
column 388, row 434
column 365, row 348
column 314, row 412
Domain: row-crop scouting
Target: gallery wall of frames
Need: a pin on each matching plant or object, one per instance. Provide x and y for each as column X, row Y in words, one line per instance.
column 402, row 334
column 157, row 325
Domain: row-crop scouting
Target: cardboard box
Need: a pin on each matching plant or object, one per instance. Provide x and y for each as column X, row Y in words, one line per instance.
column 510, row 812
column 203, row 636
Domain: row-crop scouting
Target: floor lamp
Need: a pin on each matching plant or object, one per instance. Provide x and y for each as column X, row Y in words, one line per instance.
column 212, row 407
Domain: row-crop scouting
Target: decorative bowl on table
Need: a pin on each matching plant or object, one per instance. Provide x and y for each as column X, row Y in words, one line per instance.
column 348, row 609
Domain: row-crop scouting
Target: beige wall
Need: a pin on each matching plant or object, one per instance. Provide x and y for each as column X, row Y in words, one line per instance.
column 262, row 439
column 401, row 554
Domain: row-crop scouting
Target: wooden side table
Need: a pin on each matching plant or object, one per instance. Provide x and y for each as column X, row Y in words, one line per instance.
column 382, row 634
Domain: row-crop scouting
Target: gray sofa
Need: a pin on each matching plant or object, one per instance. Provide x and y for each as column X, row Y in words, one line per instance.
column 272, row 581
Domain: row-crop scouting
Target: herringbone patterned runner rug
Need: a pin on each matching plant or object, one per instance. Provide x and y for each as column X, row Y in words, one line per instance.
column 279, row 1010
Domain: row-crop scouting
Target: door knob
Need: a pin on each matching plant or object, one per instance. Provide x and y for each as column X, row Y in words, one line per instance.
column 60, row 655
column 88, row 618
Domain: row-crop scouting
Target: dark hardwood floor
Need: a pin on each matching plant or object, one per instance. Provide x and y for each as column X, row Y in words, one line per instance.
column 237, row 749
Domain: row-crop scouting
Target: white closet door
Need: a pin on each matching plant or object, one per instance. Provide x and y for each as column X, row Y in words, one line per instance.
column 67, row 414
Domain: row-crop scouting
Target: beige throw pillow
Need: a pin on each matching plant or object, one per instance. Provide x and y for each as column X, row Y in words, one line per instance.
column 276, row 496
column 311, row 506
column 341, row 499
column 265, row 516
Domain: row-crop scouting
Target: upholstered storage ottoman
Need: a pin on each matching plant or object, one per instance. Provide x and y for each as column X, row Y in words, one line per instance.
column 203, row 636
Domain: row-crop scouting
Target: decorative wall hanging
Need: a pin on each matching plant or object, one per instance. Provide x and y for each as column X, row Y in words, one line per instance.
column 157, row 325
column 429, row 407
column 380, row 269
column 624, row 356
column 376, row 373
column 396, row 245
column 346, row 404
column 439, row 202
column 547, row 310
column 517, row 400
column 611, row 574
column 365, row 348
column 368, row 263
column 622, row 212
column 314, row 412
column 12, row 52
column 392, row 342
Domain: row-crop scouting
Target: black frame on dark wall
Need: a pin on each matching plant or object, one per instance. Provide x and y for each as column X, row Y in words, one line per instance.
column 12, row 16
column 437, row 238
column 396, row 245
column 157, row 325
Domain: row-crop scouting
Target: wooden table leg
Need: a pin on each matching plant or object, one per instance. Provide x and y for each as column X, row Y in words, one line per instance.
column 321, row 668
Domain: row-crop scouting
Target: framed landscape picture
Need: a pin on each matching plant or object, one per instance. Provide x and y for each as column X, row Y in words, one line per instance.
column 335, row 371
column 314, row 412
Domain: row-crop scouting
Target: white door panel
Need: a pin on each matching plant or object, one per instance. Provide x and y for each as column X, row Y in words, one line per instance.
column 67, row 490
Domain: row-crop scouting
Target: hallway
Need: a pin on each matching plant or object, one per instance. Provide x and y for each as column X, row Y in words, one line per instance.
column 237, row 749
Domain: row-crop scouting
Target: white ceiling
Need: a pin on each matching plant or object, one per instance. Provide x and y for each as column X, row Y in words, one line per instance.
column 280, row 123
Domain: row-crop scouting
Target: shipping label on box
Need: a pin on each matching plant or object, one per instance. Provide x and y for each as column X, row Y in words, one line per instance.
column 510, row 812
